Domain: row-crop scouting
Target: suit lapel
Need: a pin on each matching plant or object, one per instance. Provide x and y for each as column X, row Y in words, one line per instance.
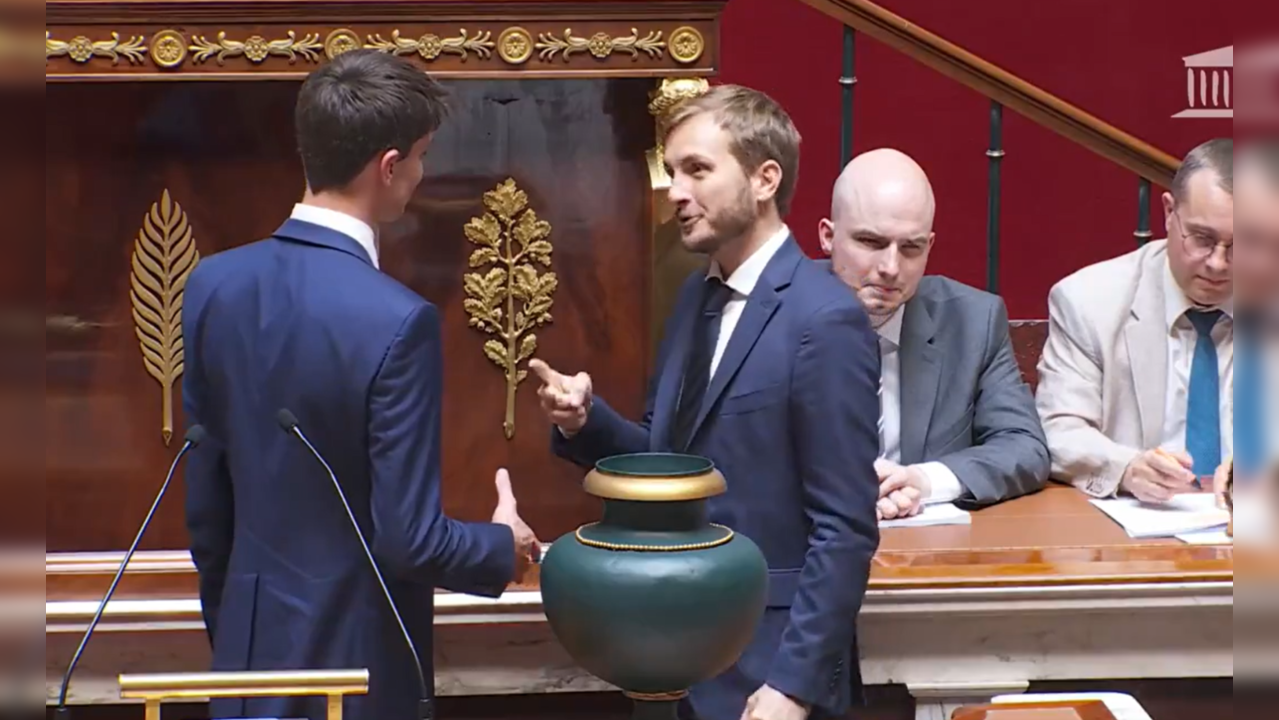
column 1147, row 342
column 672, row 377
column 920, row 363
column 760, row 308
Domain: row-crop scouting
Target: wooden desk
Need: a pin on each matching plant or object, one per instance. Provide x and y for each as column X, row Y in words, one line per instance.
column 1042, row 588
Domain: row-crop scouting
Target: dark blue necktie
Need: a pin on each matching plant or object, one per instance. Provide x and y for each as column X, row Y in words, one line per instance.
column 697, row 371
column 1249, row 398
column 1203, row 408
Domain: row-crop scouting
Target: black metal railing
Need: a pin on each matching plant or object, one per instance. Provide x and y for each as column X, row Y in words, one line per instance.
column 994, row 154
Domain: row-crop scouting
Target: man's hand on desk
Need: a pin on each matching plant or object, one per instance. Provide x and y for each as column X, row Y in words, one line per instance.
column 902, row 490
column 565, row 400
column 1219, row 481
column 769, row 704
column 507, row 513
column 1156, row 475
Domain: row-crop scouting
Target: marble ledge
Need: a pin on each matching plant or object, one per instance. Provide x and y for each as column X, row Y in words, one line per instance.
column 525, row 606
column 981, row 638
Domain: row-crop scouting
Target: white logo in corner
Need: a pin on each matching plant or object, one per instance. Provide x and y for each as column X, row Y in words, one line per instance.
column 1209, row 84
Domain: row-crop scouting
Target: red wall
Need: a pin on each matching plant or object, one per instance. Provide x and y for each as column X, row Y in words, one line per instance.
column 1063, row 206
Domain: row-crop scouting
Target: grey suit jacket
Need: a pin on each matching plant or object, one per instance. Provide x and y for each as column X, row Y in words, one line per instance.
column 964, row 402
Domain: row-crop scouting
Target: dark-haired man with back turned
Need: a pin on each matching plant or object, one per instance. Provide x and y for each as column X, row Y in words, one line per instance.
column 305, row 320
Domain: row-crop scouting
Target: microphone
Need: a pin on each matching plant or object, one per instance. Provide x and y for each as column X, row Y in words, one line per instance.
column 194, row 437
column 289, row 422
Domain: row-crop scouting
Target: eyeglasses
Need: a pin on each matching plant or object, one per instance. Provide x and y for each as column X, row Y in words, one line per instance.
column 1200, row 245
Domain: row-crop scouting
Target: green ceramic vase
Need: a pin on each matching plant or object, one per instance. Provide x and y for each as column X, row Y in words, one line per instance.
column 654, row 598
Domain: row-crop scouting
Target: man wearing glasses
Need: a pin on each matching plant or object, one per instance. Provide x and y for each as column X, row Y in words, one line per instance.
column 1136, row 379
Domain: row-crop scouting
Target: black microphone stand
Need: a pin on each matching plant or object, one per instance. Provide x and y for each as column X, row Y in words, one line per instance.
column 193, row 438
column 289, row 422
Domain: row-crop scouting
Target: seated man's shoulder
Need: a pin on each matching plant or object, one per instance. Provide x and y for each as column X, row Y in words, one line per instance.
column 949, row 293
column 1102, row 279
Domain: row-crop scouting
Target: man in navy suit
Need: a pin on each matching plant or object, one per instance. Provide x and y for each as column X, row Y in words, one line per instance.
column 304, row 320
column 770, row 368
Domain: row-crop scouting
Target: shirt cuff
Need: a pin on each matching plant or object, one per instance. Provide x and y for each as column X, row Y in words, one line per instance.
column 945, row 486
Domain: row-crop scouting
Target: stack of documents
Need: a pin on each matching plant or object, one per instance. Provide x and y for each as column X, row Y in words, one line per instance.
column 1184, row 514
column 940, row 514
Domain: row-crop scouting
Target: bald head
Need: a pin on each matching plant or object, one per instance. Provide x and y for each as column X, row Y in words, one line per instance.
column 884, row 184
column 880, row 230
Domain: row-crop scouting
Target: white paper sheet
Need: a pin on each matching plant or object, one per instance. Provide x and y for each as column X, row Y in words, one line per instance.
column 1185, row 513
column 939, row 514
column 1206, row 537
column 1123, row 707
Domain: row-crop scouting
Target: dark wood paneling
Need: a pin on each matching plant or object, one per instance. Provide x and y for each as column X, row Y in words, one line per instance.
column 225, row 153
column 21, row 313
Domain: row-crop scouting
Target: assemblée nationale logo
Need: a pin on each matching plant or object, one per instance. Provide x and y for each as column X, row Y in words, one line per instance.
column 1210, row 84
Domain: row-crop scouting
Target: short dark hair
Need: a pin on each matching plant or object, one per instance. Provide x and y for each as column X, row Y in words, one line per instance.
column 759, row 128
column 1217, row 155
column 358, row 106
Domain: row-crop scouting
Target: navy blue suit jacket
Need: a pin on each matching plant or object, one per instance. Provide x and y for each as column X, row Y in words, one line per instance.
column 791, row 419
column 303, row 320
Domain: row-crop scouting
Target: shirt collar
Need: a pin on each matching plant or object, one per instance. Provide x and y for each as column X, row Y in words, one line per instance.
column 891, row 331
column 743, row 280
column 1176, row 304
column 338, row 221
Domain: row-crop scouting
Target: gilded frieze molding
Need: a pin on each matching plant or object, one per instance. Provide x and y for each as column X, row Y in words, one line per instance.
column 162, row 51
column 82, row 49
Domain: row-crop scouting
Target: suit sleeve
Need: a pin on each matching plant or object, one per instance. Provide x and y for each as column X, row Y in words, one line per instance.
column 1009, row 457
column 210, row 500
column 412, row 537
column 1069, row 400
column 834, row 431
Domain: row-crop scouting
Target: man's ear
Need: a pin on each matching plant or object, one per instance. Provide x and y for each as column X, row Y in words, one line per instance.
column 1169, row 205
column 826, row 234
column 386, row 165
column 768, row 178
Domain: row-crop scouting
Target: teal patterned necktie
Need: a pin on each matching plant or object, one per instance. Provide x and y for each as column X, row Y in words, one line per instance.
column 1203, row 408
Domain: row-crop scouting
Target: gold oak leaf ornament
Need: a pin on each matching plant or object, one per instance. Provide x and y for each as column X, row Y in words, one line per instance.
column 512, row 297
column 163, row 256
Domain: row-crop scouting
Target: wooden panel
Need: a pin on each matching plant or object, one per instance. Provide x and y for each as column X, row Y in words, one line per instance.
column 22, row 313
column 224, row 152
column 272, row 39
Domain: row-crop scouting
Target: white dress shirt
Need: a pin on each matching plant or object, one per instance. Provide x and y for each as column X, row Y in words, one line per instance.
column 742, row 283
column 348, row 225
column 945, row 487
column 1182, row 338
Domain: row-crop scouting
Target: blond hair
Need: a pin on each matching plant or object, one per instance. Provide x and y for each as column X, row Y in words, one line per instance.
column 758, row 128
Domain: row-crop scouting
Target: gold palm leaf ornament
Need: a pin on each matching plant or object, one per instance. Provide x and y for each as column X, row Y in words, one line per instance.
column 512, row 298
column 163, row 256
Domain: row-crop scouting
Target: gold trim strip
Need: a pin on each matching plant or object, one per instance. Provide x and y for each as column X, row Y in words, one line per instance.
column 649, row 548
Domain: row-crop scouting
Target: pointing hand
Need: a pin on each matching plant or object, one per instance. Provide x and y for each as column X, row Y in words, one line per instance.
column 565, row 400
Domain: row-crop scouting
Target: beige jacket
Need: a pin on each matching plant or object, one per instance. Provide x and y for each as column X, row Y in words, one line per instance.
column 1104, row 370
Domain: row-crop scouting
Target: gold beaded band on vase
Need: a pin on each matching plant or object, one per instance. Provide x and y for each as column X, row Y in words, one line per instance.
column 653, row 548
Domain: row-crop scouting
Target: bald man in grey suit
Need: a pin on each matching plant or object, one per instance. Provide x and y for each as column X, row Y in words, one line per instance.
column 958, row 423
